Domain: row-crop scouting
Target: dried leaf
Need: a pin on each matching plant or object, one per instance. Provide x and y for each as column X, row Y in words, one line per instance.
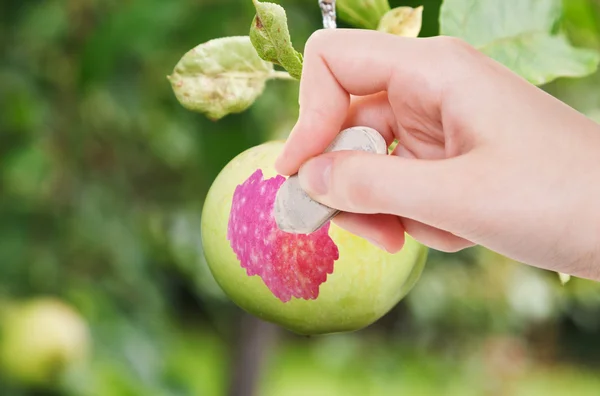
column 220, row 77
column 402, row 21
column 270, row 36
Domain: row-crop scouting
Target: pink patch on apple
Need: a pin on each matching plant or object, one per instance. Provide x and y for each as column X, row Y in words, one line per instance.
column 290, row 265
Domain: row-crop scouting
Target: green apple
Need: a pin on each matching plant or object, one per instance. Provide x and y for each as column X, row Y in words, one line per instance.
column 41, row 339
column 365, row 284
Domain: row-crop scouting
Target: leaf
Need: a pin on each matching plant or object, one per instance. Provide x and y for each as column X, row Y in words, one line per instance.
column 270, row 36
column 564, row 278
column 362, row 13
column 402, row 21
column 220, row 77
column 519, row 34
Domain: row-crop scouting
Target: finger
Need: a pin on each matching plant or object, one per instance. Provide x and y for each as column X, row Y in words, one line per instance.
column 383, row 231
column 387, row 232
column 373, row 111
column 433, row 192
column 402, row 151
column 435, row 238
column 334, row 70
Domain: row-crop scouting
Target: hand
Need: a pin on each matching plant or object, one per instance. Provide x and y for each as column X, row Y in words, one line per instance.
column 483, row 157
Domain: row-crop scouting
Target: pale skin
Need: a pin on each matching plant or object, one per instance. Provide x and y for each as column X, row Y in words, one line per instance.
column 484, row 157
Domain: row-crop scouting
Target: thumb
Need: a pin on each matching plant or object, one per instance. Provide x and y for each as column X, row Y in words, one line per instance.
column 434, row 192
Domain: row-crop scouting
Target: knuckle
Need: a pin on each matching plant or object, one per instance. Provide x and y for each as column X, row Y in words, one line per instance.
column 460, row 60
column 456, row 52
column 452, row 44
column 311, row 119
column 316, row 41
column 314, row 115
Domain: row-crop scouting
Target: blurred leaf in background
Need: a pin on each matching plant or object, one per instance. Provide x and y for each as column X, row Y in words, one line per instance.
column 581, row 20
column 519, row 34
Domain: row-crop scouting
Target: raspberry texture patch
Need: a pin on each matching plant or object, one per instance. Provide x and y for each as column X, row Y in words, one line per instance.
column 290, row 265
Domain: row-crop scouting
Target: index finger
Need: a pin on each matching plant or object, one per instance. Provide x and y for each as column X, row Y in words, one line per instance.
column 339, row 63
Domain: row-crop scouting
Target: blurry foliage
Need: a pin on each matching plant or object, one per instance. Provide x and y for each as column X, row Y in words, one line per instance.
column 102, row 181
column 581, row 20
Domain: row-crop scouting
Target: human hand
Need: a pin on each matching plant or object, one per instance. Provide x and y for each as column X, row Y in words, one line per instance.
column 483, row 157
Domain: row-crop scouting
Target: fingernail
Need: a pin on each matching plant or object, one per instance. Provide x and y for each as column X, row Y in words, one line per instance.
column 314, row 175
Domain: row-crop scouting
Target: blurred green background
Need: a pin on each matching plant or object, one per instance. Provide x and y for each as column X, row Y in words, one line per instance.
column 102, row 180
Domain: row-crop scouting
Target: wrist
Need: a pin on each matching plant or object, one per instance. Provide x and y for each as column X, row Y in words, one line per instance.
column 585, row 221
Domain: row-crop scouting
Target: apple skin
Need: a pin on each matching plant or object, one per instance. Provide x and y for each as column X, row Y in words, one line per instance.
column 366, row 283
column 42, row 338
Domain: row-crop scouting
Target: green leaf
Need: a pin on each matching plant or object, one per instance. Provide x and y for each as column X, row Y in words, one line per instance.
column 519, row 34
column 362, row 13
column 220, row 77
column 270, row 36
column 402, row 21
